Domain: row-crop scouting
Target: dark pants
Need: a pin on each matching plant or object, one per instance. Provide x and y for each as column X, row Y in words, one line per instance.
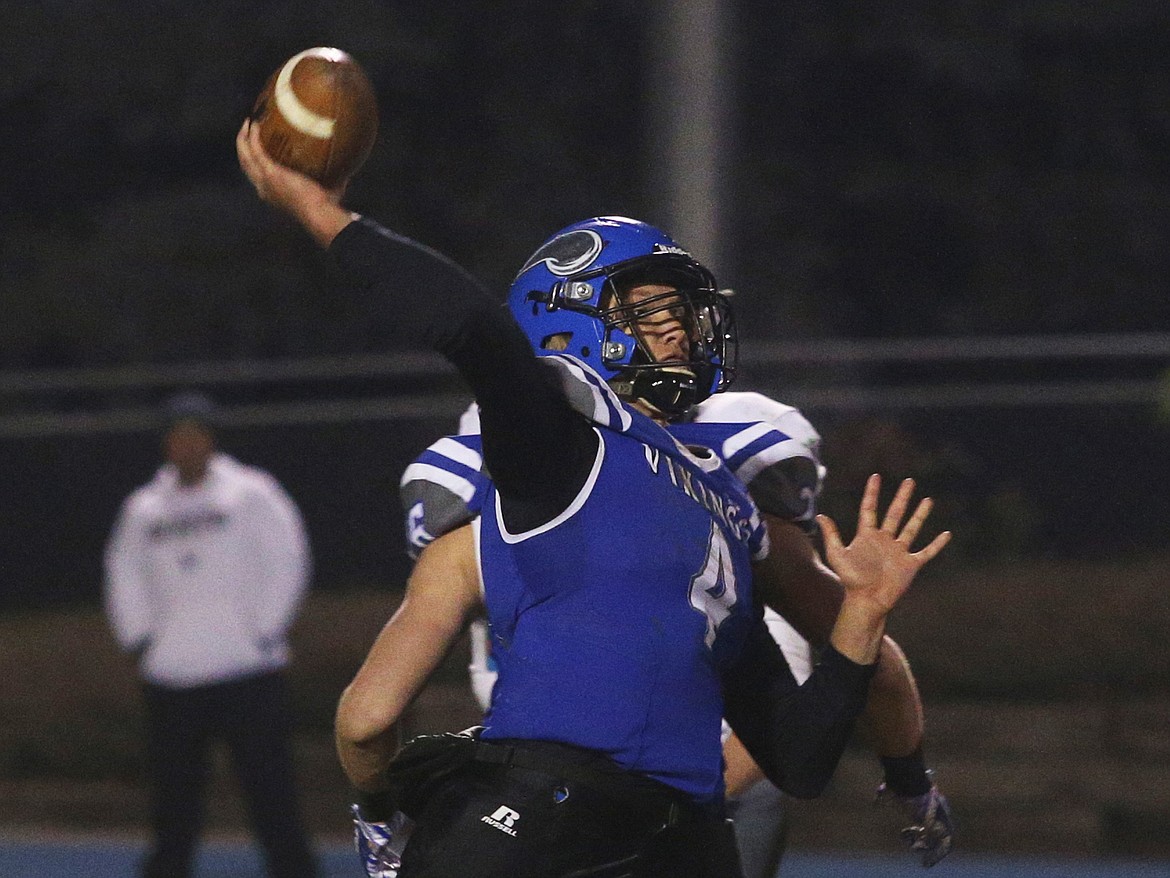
column 252, row 718
column 492, row 820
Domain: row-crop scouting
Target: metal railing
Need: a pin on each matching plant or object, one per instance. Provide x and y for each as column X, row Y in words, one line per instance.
column 32, row 412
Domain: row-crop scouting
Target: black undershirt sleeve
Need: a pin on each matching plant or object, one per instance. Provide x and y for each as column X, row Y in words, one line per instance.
column 537, row 449
column 796, row 734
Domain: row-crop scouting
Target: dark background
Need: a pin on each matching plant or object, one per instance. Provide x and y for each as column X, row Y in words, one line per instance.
column 984, row 167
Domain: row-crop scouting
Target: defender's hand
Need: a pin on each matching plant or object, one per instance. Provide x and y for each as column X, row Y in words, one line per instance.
column 932, row 826
column 878, row 566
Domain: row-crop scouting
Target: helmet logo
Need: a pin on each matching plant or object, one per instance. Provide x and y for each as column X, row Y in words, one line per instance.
column 670, row 248
column 569, row 253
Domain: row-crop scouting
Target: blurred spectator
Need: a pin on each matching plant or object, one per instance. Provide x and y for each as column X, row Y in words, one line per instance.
column 205, row 569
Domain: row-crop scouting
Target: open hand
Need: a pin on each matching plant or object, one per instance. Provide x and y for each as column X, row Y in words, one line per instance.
column 878, row 566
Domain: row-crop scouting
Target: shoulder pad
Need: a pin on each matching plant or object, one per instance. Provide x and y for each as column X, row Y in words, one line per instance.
column 443, row 489
column 741, row 407
column 770, row 446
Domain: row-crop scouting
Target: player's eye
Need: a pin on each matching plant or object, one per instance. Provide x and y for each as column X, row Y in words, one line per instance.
column 661, row 310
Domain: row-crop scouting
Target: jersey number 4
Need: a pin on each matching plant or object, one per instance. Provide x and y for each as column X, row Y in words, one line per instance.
column 713, row 590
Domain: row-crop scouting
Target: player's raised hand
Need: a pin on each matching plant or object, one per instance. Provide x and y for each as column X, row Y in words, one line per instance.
column 316, row 208
column 878, row 566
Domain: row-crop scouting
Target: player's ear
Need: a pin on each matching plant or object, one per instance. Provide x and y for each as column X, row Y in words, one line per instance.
column 558, row 341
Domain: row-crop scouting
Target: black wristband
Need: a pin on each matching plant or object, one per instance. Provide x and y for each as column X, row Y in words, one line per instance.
column 907, row 775
column 376, row 807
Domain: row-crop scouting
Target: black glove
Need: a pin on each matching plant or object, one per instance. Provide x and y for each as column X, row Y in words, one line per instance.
column 423, row 763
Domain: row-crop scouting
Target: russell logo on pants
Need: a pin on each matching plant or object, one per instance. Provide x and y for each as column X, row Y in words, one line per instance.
column 503, row 819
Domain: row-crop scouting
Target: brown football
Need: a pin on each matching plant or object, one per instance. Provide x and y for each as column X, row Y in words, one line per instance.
column 318, row 114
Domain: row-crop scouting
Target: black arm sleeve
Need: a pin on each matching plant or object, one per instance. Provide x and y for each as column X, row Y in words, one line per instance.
column 796, row 734
column 538, row 450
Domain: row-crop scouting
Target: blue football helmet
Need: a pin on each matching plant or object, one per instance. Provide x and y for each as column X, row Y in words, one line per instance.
column 571, row 297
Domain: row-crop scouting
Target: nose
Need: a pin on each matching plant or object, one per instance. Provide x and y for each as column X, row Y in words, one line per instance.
column 670, row 342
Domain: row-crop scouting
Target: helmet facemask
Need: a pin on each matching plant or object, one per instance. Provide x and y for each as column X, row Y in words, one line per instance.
column 682, row 303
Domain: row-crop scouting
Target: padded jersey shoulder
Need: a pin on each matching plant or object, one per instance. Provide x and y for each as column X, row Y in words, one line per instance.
column 771, row 447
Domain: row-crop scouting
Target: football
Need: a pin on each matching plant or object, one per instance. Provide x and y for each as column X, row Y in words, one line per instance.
column 318, row 114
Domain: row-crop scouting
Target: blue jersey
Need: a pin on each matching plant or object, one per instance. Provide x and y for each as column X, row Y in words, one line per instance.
column 771, row 447
column 636, row 596
column 767, row 445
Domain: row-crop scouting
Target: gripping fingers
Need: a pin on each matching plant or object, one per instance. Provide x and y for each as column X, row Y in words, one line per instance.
column 242, row 149
column 249, row 153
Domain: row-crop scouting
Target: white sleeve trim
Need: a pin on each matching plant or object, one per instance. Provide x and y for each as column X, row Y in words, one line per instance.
column 463, row 488
column 458, row 452
column 578, row 501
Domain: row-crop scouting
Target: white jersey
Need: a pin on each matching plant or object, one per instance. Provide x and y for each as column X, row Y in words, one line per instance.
column 206, row 579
